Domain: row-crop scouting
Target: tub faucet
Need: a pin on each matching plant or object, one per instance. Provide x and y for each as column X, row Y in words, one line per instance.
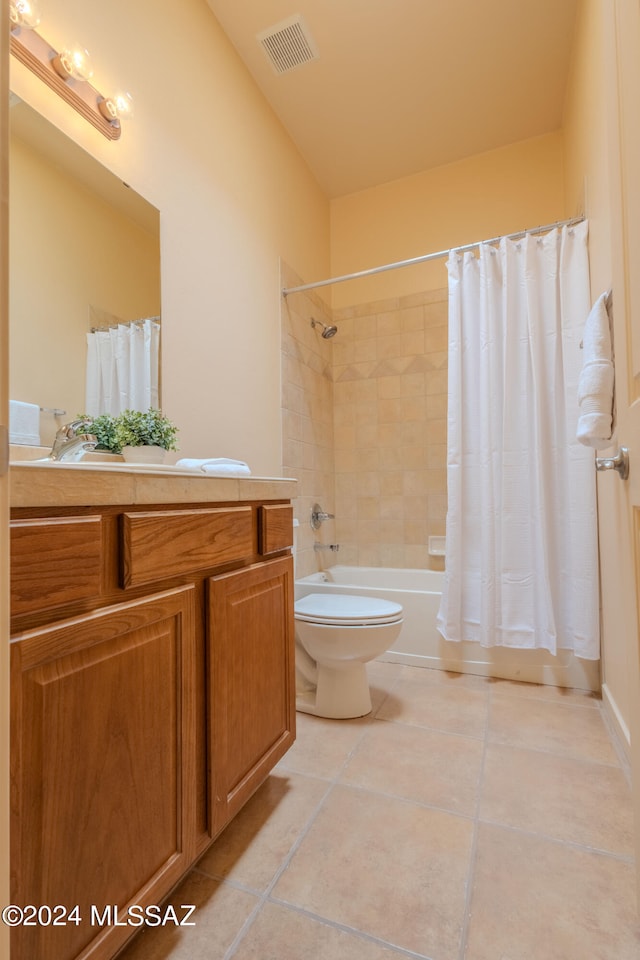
column 334, row 547
column 318, row 515
column 70, row 443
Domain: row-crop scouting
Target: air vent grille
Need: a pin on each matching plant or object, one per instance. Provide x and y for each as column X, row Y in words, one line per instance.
column 288, row 44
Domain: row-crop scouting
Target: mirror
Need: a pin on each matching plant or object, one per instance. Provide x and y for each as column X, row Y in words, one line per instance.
column 84, row 252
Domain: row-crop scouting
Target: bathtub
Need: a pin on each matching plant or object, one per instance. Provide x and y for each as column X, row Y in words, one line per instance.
column 420, row 644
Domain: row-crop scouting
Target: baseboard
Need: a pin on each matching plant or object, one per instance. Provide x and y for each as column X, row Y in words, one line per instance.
column 616, row 721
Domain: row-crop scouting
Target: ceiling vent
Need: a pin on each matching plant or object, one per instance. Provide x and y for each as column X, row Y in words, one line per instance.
column 288, row 44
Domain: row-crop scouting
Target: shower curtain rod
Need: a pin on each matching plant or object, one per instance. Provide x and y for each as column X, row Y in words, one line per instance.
column 430, row 256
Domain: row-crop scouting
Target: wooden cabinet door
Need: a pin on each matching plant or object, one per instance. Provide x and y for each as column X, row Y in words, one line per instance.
column 251, row 681
column 103, row 769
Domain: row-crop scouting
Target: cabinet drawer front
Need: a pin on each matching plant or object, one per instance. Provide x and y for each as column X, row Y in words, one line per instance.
column 55, row 562
column 275, row 527
column 158, row 545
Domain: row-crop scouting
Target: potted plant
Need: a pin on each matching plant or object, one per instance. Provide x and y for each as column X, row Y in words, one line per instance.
column 104, row 428
column 144, row 436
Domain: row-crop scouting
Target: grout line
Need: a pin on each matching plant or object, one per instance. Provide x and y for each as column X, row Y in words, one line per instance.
column 345, row 928
column 558, row 841
column 473, row 853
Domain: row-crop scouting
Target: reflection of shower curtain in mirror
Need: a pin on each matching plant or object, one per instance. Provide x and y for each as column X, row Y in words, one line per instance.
column 123, row 368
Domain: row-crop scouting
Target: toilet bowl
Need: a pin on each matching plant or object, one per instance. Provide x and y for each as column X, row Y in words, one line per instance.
column 336, row 634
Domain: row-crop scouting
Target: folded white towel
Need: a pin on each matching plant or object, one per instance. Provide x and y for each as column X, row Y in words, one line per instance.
column 596, row 382
column 596, row 342
column 594, row 430
column 24, row 423
column 217, row 467
column 595, row 386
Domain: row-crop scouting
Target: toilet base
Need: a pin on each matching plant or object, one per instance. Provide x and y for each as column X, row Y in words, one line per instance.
column 342, row 692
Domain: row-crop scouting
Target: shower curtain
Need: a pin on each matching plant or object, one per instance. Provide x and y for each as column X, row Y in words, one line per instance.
column 123, row 368
column 521, row 544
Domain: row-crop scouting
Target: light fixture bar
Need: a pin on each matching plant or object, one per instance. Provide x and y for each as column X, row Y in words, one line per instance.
column 36, row 54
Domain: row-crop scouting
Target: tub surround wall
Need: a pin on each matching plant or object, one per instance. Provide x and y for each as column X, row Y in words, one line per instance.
column 390, row 428
column 307, row 416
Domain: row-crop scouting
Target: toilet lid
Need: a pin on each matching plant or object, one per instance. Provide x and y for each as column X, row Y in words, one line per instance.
column 346, row 610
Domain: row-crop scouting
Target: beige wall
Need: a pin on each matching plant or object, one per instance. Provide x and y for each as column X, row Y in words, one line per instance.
column 70, row 250
column 588, row 135
column 484, row 196
column 233, row 193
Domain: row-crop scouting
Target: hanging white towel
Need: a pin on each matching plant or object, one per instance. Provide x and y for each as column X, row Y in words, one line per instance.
column 596, row 383
column 24, row 423
column 217, row 467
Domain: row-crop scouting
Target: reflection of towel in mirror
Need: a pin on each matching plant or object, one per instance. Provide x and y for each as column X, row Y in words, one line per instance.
column 24, row 423
column 596, row 383
column 217, row 467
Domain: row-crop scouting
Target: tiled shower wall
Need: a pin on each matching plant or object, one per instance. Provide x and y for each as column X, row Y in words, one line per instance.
column 390, row 429
column 307, row 419
column 364, row 427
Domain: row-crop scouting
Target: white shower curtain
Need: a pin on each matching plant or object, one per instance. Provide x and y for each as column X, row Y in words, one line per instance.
column 521, row 545
column 123, row 368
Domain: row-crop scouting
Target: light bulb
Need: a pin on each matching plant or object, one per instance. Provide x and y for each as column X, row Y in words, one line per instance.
column 118, row 107
column 73, row 62
column 24, row 13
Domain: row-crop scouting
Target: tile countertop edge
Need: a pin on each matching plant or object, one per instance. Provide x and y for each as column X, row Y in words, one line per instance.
column 67, row 486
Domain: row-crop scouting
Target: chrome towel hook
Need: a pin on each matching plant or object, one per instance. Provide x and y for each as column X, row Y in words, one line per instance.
column 620, row 463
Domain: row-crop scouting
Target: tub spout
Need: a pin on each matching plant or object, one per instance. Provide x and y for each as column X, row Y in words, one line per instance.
column 334, row 547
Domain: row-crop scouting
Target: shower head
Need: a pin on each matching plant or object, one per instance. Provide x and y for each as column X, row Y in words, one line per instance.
column 327, row 332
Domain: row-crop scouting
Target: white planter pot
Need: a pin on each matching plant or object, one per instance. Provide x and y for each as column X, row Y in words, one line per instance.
column 144, row 454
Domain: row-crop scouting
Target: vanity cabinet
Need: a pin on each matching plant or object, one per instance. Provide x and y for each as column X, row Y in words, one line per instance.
column 152, row 692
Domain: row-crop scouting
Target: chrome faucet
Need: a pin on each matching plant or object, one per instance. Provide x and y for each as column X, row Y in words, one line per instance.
column 70, row 443
column 334, row 547
column 318, row 515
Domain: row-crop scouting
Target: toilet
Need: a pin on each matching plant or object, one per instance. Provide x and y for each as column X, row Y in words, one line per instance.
column 336, row 635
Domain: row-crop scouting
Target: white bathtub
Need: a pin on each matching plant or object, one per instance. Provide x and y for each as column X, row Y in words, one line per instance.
column 420, row 644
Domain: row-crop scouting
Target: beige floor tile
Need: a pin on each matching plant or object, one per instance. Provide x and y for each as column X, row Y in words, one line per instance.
column 575, row 800
column 557, row 727
column 252, row 848
column 426, row 766
column 541, row 691
column 279, row 933
column 449, row 705
column 534, row 899
column 220, row 913
column 385, row 867
column 322, row 745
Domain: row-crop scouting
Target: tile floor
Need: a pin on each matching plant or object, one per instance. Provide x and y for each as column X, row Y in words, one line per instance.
column 465, row 819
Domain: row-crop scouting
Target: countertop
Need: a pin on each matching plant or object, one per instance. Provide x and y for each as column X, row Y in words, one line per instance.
column 54, row 484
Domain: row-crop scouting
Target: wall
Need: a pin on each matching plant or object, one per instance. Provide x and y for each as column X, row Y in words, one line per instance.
column 307, row 420
column 83, row 253
column 587, row 133
column 484, row 196
column 390, row 415
column 233, row 193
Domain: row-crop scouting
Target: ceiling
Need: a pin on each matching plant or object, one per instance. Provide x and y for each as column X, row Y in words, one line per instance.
column 401, row 86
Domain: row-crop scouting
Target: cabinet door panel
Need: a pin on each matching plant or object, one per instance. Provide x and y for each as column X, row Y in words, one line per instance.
column 103, row 727
column 251, row 681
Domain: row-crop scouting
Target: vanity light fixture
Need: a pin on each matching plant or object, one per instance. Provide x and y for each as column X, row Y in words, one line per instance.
column 67, row 72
